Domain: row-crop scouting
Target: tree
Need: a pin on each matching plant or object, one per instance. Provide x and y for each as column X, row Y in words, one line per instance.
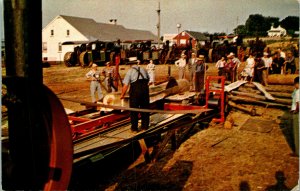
column 258, row 25
column 290, row 23
column 271, row 21
column 254, row 25
column 240, row 30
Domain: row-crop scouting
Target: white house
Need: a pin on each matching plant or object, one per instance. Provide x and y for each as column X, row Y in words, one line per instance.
column 78, row 30
column 276, row 32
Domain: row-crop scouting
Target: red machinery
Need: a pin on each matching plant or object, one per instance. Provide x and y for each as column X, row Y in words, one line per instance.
column 40, row 141
column 216, row 96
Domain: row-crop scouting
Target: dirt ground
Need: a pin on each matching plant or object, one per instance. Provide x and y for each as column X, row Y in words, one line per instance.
column 213, row 159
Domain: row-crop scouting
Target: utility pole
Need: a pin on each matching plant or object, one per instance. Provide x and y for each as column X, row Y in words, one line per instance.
column 158, row 25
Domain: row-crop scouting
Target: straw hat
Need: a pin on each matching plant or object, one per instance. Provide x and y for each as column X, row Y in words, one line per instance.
column 108, row 99
column 201, row 57
column 231, row 54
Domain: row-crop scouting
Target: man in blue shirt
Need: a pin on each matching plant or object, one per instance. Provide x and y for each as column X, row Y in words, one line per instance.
column 94, row 76
column 137, row 78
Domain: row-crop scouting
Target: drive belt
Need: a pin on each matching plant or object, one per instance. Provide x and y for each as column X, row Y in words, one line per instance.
column 196, row 111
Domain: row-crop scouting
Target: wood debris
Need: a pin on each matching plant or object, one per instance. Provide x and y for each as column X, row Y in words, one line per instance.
column 246, row 96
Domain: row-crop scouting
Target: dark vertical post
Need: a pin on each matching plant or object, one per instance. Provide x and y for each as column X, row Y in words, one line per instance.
column 28, row 114
column 23, row 39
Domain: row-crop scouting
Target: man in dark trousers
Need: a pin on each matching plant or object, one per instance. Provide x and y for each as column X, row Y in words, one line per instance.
column 137, row 78
column 200, row 74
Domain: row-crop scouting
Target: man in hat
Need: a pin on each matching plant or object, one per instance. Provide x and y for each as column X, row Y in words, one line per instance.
column 199, row 74
column 137, row 78
column 268, row 62
column 109, row 73
column 260, row 70
column 94, row 76
column 290, row 63
column 181, row 64
column 192, row 67
column 236, row 63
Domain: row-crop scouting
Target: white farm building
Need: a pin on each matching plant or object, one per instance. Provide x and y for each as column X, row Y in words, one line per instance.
column 276, row 32
column 78, row 30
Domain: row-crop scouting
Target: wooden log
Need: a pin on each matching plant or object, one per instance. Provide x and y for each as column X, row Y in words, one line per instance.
column 252, row 95
column 248, row 100
column 283, row 101
column 249, row 90
column 262, row 98
column 274, row 94
column 249, row 110
column 274, row 88
column 281, row 94
column 280, row 88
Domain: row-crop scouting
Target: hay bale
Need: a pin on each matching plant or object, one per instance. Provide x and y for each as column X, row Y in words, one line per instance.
column 282, row 79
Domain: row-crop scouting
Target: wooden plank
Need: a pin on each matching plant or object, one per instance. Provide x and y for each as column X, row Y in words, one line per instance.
column 181, row 97
column 262, row 89
column 234, row 85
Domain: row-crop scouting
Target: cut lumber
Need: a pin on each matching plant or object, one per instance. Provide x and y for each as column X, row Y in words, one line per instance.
column 234, row 85
column 262, row 89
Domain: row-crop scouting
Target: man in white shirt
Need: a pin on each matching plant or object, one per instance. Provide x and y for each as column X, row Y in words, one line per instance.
column 295, row 114
column 181, row 64
column 268, row 62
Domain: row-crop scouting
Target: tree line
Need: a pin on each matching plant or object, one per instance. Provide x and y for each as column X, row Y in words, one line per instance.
column 258, row 25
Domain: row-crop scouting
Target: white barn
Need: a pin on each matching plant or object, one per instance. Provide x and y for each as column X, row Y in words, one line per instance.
column 276, row 32
column 76, row 29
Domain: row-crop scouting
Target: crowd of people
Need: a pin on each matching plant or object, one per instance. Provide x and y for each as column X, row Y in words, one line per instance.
column 138, row 78
column 196, row 70
column 258, row 66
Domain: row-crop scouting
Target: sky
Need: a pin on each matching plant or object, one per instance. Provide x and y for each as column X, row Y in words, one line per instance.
column 196, row 15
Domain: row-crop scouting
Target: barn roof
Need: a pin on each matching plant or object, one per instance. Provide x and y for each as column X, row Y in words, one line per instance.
column 197, row 35
column 107, row 32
